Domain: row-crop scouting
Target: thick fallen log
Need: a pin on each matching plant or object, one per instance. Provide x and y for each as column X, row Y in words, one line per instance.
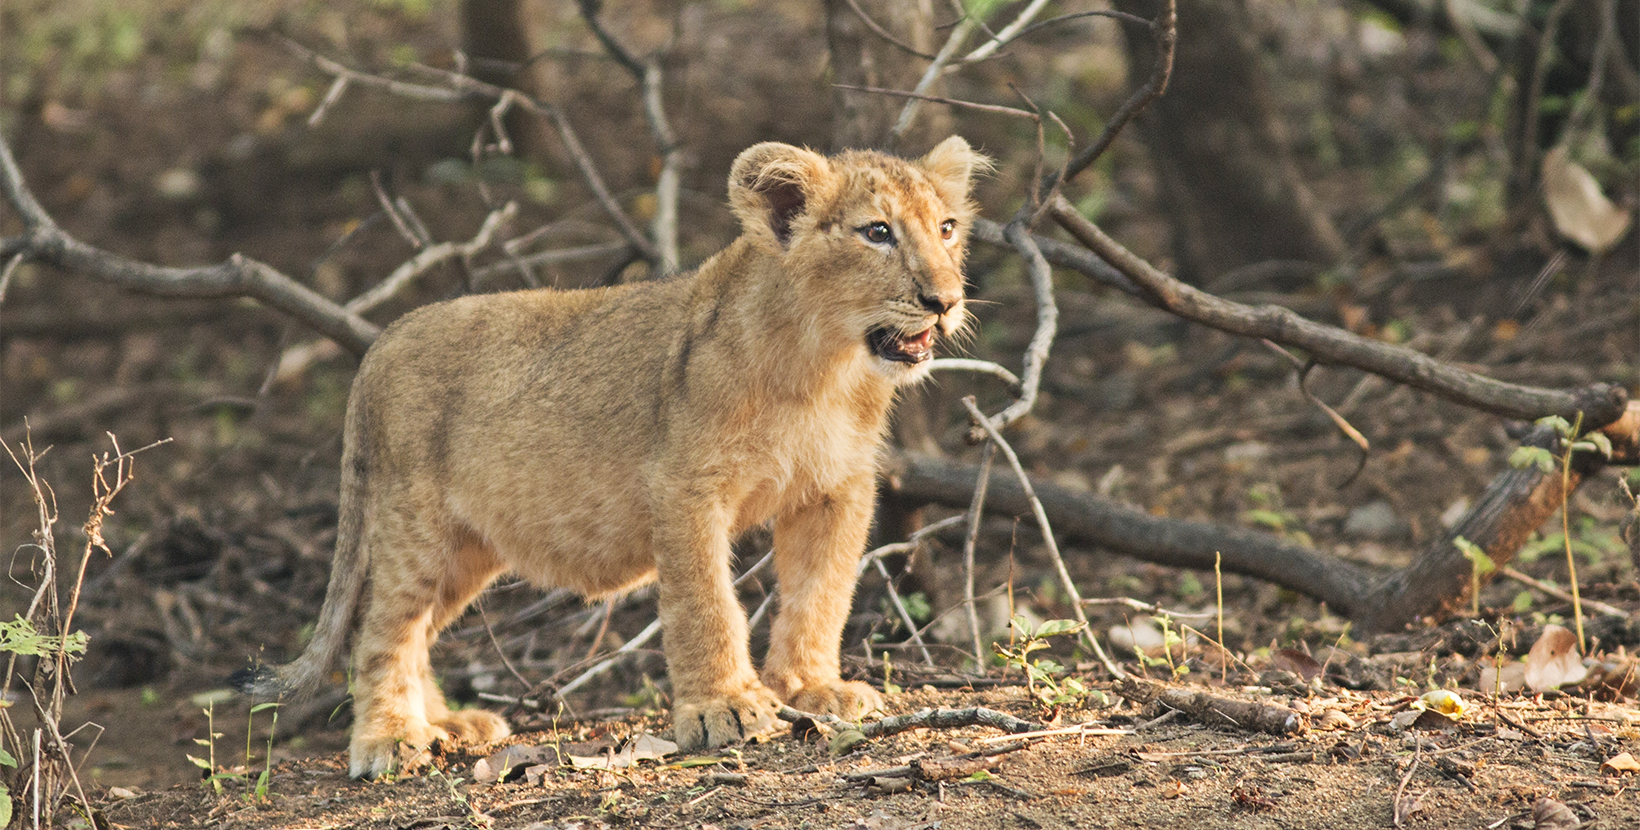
column 1435, row 584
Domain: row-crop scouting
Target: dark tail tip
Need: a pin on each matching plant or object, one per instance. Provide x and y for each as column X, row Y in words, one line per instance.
column 259, row 681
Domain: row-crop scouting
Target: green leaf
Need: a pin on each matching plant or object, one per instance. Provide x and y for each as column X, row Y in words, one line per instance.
column 6, row 761
column 1560, row 424
column 1595, row 442
column 1523, row 602
column 261, row 706
column 1539, row 457
column 1052, row 627
column 1266, row 518
column 200, row 762
column 1483, row 564
column 982, row 775
column 5, row 805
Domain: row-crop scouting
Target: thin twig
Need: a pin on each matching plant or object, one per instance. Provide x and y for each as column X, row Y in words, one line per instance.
column 976, row 511
column 1165, row 31
column 431, row 256
column 1065, row 580
column 953, row 42
column 1560, row 593
column 647, row 72
column 905, row 615
column 938, row 99
column 1417, row 757
column 1047, row 324
column 879, row 31
column 1343, row 425
column 984, row 367
column 1007, row 33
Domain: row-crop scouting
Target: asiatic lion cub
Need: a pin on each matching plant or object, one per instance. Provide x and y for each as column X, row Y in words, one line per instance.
column 597, row 439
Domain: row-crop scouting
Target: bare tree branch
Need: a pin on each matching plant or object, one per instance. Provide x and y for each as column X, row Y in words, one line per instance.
column 886, row 35
column 44, row 242
column 647, row 72
column 1601, row 403
column 431, row 256
column 1165, row 29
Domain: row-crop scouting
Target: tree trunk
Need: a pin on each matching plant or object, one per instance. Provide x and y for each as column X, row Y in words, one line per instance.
column 1219, row 152
column 861, row 57
column 495, row 39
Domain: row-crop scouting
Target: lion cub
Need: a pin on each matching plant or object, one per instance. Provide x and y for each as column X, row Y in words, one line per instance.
column 598, row 439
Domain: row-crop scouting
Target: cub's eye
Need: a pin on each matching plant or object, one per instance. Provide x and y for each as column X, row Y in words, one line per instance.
column 877, row 233
column 948, row 228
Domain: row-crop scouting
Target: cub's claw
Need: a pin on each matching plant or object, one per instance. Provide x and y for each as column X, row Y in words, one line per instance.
column 713, row 722
column 372, row 755
column 847, row 699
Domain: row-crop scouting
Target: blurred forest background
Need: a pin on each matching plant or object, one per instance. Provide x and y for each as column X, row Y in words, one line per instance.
column 1376, row 165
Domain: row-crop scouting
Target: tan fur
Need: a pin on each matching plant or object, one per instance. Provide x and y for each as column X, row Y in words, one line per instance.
column 599, row 439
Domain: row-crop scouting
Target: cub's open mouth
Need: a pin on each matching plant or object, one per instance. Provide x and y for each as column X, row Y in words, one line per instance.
column 901, row 348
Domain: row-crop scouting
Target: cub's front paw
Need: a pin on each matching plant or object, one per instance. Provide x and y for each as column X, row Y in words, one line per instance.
column 713, row 722
column 376, row 752
column 847, row 699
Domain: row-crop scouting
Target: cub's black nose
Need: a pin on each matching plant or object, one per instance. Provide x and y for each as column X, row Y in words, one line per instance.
column 939, row 303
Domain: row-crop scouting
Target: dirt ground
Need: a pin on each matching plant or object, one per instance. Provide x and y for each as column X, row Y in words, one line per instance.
column 194, row 150
column 1485, row 770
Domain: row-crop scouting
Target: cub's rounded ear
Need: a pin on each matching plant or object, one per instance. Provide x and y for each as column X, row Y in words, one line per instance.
column 770, row 184
column 953, row 164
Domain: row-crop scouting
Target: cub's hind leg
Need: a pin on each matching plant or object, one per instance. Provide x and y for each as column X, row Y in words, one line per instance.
column 419, row 581
column 473, row 567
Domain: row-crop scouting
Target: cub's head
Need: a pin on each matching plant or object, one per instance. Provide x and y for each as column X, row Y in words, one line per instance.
column 871, row 245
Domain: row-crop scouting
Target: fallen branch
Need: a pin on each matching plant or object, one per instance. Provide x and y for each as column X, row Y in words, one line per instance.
column 1436, row 584
column 924, row 719
column 1214, row 710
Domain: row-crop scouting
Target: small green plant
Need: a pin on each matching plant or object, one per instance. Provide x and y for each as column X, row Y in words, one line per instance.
column 889, row 687
column 1172, row 643
column 1479, row 565
column 261, row 790
column 1546, row 462
column 213, row 779
column 214, row 776
column 1043, row 677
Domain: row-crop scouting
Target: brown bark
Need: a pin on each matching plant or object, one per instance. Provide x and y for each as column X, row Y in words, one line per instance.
column 1225, row 172
column 495, row 38
column 1215, row 710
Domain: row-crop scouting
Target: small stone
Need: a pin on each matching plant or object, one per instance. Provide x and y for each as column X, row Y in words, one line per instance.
column 1375, row 520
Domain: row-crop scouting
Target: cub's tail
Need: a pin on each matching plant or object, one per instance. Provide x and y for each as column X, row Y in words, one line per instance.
column 349, row 572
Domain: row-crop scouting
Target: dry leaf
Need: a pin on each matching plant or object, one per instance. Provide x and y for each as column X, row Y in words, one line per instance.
column 1297, row 662
column 1623, row 764
column 1511, row 678
column 1580, row 211
column 498, row 764
column 645, row 747
column 1443, row 702
column 1549, row 814
column 1553, row 661
column 1334, row 719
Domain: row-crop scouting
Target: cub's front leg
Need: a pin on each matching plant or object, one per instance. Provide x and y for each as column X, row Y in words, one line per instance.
column 719, row 698
column 816, row 552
